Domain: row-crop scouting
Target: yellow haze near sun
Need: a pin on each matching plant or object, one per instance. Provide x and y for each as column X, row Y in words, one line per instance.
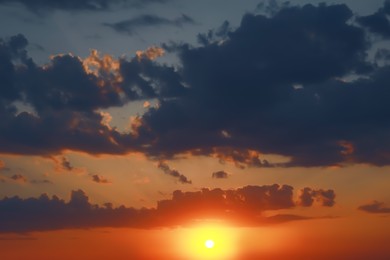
column 208, row 242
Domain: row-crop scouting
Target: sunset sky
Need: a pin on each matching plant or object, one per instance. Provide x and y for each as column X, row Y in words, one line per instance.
column 188, row 130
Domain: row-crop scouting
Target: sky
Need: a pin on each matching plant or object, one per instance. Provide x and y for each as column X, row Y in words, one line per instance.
column 140, row 129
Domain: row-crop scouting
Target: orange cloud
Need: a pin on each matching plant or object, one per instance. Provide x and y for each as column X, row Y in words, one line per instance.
column 150, row 53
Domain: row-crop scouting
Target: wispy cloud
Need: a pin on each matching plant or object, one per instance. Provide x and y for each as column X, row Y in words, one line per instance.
column 133, row 25
column 174, row 173
column 375, row 207
column 80, row 5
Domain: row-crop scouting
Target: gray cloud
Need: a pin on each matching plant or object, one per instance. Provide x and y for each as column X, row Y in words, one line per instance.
column 19, row 177
column 378, row 22
column 323, row 197
column 375, row 207
column 277, row 84
column 174, row 173
column 220, row 175
column 243, row 206
column 133, row 25
column 100, row 179
column 79, row 5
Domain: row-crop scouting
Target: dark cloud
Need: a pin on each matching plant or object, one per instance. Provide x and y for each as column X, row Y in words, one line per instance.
column 220, row 175
column 44, row 213
column 133, row 25
column 174, row 173
column 375, row 207
column 378, row 22
column 79, row 5
column 277, row 84
column 19, row 178
column 243, row 206
column 100, row 179
column 23, row 179
column 274, row 86
column 215, row 35
column 41, row 182
column 65, row 163
column 65, row 96
column 323, row 197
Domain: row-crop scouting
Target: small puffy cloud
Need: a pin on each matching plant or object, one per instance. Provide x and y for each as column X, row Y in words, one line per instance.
column 174, row 173
column 220, row 175
column 150, row 53
column 65, row 163
column 375, row 207
column 100, row 179
column 324, row 197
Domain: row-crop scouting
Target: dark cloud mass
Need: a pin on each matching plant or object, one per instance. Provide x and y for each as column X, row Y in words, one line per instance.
column 131, row 26
column 277, row 84
column 378, row 22
column 274, row 85
column 65, row 96
column 79, row 5
column 375, row 207
column 244, row 206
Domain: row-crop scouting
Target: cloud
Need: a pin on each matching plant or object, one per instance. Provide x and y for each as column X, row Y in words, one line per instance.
column 277, row 84
column 133, row 25
column 243, row 206
column 19, row 178
column 174, row 173
column 151, row 53
column 79, row 5
column 65, row 96
column 41, row 182
column 375, row 207
column 220, row 175
column 378, row 22
column 65, row 163
column 324, row 197
column 100, row 179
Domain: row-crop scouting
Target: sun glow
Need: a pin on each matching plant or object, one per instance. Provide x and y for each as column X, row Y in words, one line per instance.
column 208, row 242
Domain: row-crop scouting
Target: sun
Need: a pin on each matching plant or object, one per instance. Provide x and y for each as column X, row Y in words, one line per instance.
column 209, row 243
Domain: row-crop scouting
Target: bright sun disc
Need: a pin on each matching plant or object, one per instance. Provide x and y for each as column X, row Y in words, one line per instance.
column 209, row 243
